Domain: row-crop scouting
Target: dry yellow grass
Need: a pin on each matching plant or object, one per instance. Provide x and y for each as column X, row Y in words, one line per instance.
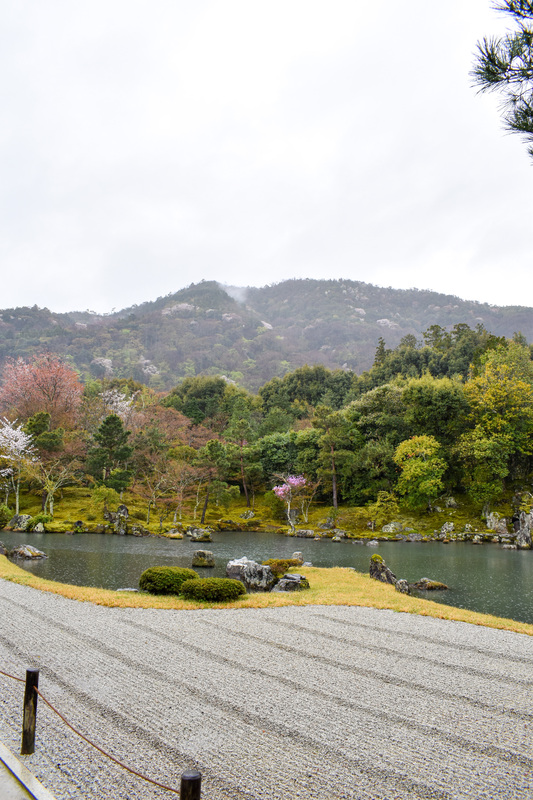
column 336, row 586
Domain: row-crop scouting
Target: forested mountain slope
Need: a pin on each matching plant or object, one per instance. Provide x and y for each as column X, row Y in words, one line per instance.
column 248, row 334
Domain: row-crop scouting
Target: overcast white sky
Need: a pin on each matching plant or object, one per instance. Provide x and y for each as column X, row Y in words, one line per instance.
column 148, row 145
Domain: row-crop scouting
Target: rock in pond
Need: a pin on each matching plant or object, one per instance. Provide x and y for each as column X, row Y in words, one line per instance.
column 256, row 577
column 427, row 585
column 173, row 533
column 3, row 549
column 305, row 533
column 27, row 551
column 199, row 535
column 203, row 558
column 380, row 571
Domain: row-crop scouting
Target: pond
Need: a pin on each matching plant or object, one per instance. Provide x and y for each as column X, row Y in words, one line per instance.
column 482, row 578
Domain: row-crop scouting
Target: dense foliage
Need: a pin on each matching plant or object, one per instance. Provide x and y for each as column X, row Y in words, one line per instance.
column 452, row 414
column 280, row 566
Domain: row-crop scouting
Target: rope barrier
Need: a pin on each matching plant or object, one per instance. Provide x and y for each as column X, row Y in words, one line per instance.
column 7, row 675
column 93, row 744
column 104, row 752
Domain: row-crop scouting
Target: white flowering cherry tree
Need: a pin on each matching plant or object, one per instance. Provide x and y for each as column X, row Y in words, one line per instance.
column 17, row 453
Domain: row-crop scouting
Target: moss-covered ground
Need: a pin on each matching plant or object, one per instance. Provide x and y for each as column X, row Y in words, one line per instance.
column 77, row 504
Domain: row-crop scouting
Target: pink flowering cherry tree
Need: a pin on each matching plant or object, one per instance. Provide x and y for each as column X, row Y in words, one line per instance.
column 289, row 491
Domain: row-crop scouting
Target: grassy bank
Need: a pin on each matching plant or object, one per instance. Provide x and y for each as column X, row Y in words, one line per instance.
column 336, row 586
column 75, row 504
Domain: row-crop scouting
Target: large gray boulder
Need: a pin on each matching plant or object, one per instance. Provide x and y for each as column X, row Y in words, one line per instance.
column 138, row 530
column 392, row 527
column 380, row 571
column 119, row 519
column 497, row 524
column 19, row 522
column 27, row 551
column 402, row 586
column 523, row 536
column 199, row 535
column 291, row 583
column 203, row 558
column 256, row 577
column 428, row 585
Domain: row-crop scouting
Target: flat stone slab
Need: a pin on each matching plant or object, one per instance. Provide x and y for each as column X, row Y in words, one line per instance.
column 17, row 782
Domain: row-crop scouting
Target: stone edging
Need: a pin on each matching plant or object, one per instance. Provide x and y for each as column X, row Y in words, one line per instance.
column 23, row 775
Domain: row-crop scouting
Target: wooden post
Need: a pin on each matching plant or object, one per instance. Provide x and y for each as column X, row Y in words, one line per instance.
column 191, row 785
column 30, row 712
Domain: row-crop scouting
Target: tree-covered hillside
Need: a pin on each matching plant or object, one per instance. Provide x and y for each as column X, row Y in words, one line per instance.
column 249, row 335
column 453, row 417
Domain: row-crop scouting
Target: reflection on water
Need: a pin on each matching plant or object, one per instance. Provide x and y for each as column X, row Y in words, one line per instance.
column 485, row 578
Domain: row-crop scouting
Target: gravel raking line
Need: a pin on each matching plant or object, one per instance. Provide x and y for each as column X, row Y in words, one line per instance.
column 317, row 702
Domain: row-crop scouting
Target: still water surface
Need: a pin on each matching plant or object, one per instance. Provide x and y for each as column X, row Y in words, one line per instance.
column 483, row 578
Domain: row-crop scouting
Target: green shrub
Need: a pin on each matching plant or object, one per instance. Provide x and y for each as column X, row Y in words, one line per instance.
column 34, row 521
column 280, row 566
column 5, row 515
column 213, row 589
column 166, row 580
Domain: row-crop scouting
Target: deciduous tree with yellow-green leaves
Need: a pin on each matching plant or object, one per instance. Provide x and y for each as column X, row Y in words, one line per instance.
column 422, row 470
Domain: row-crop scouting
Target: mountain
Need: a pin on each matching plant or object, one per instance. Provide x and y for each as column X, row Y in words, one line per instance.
column 248, row 334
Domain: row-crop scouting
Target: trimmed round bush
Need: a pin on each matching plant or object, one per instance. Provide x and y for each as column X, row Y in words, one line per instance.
column 213, row 589
column 166, row 580
column 280, row 566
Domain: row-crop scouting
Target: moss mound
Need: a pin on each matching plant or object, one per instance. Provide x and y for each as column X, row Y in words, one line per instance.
column 280, row 566
column 213, row 589
column 166, row 580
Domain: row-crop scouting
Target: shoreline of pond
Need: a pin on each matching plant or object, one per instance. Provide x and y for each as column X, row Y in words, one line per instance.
column 475, row 538
column 485, row 579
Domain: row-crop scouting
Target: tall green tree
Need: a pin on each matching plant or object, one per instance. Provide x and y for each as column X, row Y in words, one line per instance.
column 108, row 459
column 212, row 463
column 239, row 433
column 334, row 447
column 505, row 64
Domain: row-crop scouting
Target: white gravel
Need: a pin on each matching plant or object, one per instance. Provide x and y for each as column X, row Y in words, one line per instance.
column 317, row 702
